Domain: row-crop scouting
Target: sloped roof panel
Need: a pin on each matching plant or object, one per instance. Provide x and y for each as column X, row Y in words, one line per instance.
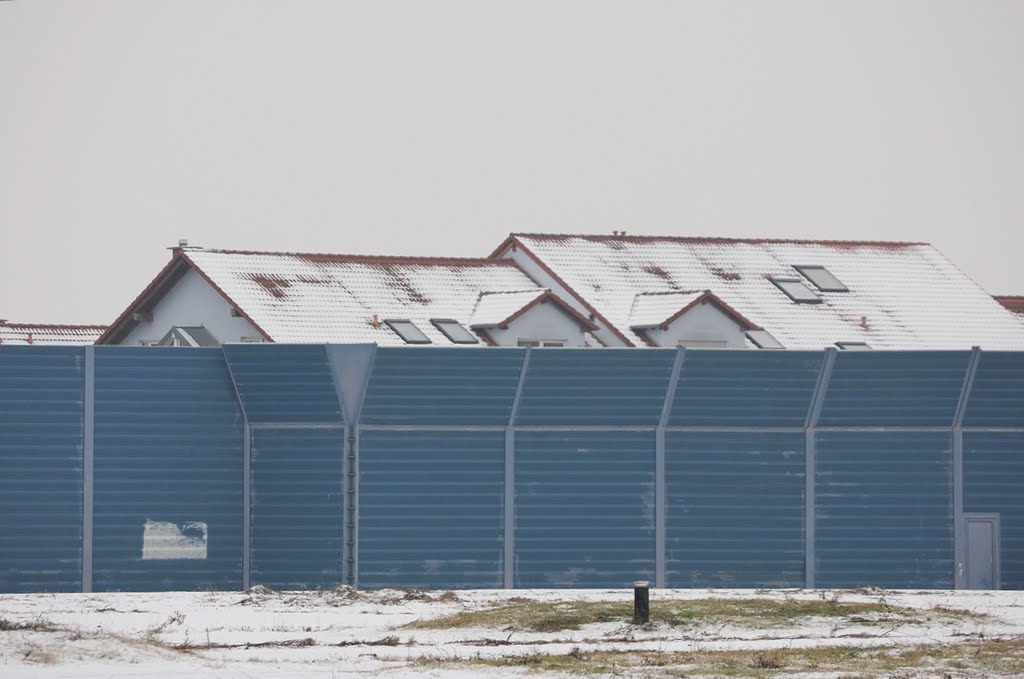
column 39, row 333
column 901, row 295
column 333, row 298
column 651, row 309
column 494, row 307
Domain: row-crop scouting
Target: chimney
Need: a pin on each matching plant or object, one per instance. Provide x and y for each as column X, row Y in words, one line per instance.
column 375, row 322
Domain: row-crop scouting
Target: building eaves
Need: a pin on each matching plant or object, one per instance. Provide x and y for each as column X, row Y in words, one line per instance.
column 513, row 241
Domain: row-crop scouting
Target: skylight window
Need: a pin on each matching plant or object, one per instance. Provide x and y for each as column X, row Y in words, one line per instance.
column 853, row 346
column 797, row 291
column 454, row 331
column 408, row 331
column 763, row 339
column 822, row 278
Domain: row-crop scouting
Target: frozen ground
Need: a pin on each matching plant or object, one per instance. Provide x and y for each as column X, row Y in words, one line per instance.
column 343, row 633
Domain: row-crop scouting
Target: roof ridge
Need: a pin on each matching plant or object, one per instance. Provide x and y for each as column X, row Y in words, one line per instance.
column 55, row 326
column 536, row 290
column 713, row 239
column 366, row 259
column 652, row 293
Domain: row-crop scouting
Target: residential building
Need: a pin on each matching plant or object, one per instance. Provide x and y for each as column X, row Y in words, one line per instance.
column 206, row 297
column 765, row 293
column 48, row 333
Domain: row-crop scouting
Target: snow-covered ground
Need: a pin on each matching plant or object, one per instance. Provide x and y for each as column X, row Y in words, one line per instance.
column 343, row 633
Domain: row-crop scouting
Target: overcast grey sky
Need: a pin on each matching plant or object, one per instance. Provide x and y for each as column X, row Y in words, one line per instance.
column 439, row 127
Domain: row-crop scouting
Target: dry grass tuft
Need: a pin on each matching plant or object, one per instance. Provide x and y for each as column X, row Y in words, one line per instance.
column 536, row 616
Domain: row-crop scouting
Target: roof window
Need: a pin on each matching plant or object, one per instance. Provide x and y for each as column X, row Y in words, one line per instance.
column 763, row 339
column 853, row 346
column 797, row 291
column 822, row 278
column 454, row 331
column 408, row 331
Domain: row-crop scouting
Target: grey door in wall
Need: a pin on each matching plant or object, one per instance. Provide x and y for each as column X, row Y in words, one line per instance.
column 982, row 531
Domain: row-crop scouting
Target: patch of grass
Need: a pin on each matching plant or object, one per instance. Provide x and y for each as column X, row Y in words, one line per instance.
column 537, row 616
column 995, row 657
column 37, row 625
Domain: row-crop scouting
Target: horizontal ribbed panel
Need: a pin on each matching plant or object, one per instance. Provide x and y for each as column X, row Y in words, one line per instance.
column 884, row 510
column 994, row 482
column 587, row 387
column 430, row 509
column 584, row 508
column 284, row 382
column 168, row 459
column 442, row 386
column 297, row 507
column 997, row 395
column 41, row 439
column 895, row 388
column 745, row 388
column 735, row 509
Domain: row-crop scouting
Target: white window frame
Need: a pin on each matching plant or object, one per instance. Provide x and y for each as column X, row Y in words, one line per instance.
column 702, row 344
column 541, row 343
column 854, row 346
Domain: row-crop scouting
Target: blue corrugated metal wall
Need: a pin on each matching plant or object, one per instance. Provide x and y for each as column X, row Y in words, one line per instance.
column 168, row 459
column 584, row 508
column 994, row 482
column 885, row 509
column 284, row 383
column 430, row 508
column 895, row 388
column 463, row 387
column 735, row 509
column 580, row 387
column 41, row 441
column 997, row 397
column 462, row 469
column 297, row 507
column 745, row 389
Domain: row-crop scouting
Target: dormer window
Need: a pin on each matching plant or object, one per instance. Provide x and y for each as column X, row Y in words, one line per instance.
column 822, row 278
column 763, row 339
column 454, row 331
column 408, row 331
column 797, row 291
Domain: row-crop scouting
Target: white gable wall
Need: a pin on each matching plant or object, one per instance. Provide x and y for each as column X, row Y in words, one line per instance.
column 703, row 323
column 544, row 321
column 538, row 274
column 192, row 302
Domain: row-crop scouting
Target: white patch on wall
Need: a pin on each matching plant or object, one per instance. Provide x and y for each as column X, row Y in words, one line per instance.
column 166, row 540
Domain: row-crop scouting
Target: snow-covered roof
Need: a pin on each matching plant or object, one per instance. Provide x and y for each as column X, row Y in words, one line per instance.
column 494, row 308
column 42, row 333
column 651, row 309
column 901, row 295
column 294, row 297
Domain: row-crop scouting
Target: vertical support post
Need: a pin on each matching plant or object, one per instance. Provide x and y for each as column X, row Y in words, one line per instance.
column 88, row 465
column 811, row 466
column 660, row 485
column 641, row 603
column 508, row 553
column 246, row 506
column 959, row 527
column 351, row 366
column 352, row 474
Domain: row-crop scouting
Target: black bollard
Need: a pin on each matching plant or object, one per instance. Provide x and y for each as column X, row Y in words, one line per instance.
column 641, row 602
